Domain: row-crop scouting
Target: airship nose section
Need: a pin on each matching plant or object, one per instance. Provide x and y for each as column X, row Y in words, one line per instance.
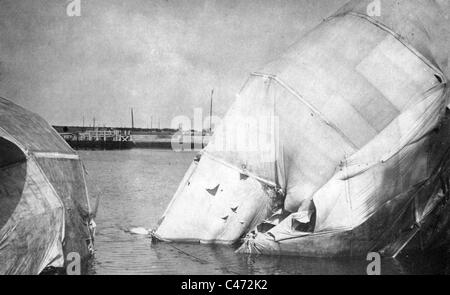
column 215, row 203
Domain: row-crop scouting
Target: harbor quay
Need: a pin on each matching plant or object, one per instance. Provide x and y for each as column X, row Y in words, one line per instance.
column 106, row 138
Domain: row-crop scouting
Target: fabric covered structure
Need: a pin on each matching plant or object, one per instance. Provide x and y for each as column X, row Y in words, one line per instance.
column 339, row 133
column 44, row 206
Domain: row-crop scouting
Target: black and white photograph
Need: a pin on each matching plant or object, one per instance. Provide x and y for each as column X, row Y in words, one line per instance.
column 224, row 138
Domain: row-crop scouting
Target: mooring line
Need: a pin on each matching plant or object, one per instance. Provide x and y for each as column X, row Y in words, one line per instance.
column 202, row 261
column 190, row 255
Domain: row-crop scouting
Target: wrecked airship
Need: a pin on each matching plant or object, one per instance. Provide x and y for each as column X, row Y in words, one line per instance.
column 338, row 148
column 45, row 214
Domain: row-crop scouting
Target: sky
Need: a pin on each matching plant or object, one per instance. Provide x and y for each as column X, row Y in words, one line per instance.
column 159, row 57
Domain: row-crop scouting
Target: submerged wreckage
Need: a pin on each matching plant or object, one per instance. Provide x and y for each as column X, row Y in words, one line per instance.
column 358, row 156
column 44, row 207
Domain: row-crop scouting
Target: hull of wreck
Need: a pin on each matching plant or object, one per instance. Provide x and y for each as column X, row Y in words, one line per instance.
column 417, row 219
column 45, row 212
column 215, row 203
column 389, row 232
column 355, row 160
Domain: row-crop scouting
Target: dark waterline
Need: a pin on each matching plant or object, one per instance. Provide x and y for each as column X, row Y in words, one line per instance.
column 135, row 187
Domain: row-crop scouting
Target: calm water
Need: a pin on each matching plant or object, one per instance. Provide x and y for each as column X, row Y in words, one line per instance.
column 135, row 187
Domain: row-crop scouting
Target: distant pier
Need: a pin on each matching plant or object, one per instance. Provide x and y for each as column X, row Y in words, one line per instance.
column 108, row 138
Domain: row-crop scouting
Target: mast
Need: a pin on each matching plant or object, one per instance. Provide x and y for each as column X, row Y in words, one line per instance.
column 132, row 119
column 210, row 111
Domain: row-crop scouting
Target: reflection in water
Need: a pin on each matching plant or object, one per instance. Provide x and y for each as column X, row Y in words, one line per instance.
column 135, row 187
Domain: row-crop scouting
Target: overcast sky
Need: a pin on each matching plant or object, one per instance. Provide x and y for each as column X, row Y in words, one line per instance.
column 161, row 57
